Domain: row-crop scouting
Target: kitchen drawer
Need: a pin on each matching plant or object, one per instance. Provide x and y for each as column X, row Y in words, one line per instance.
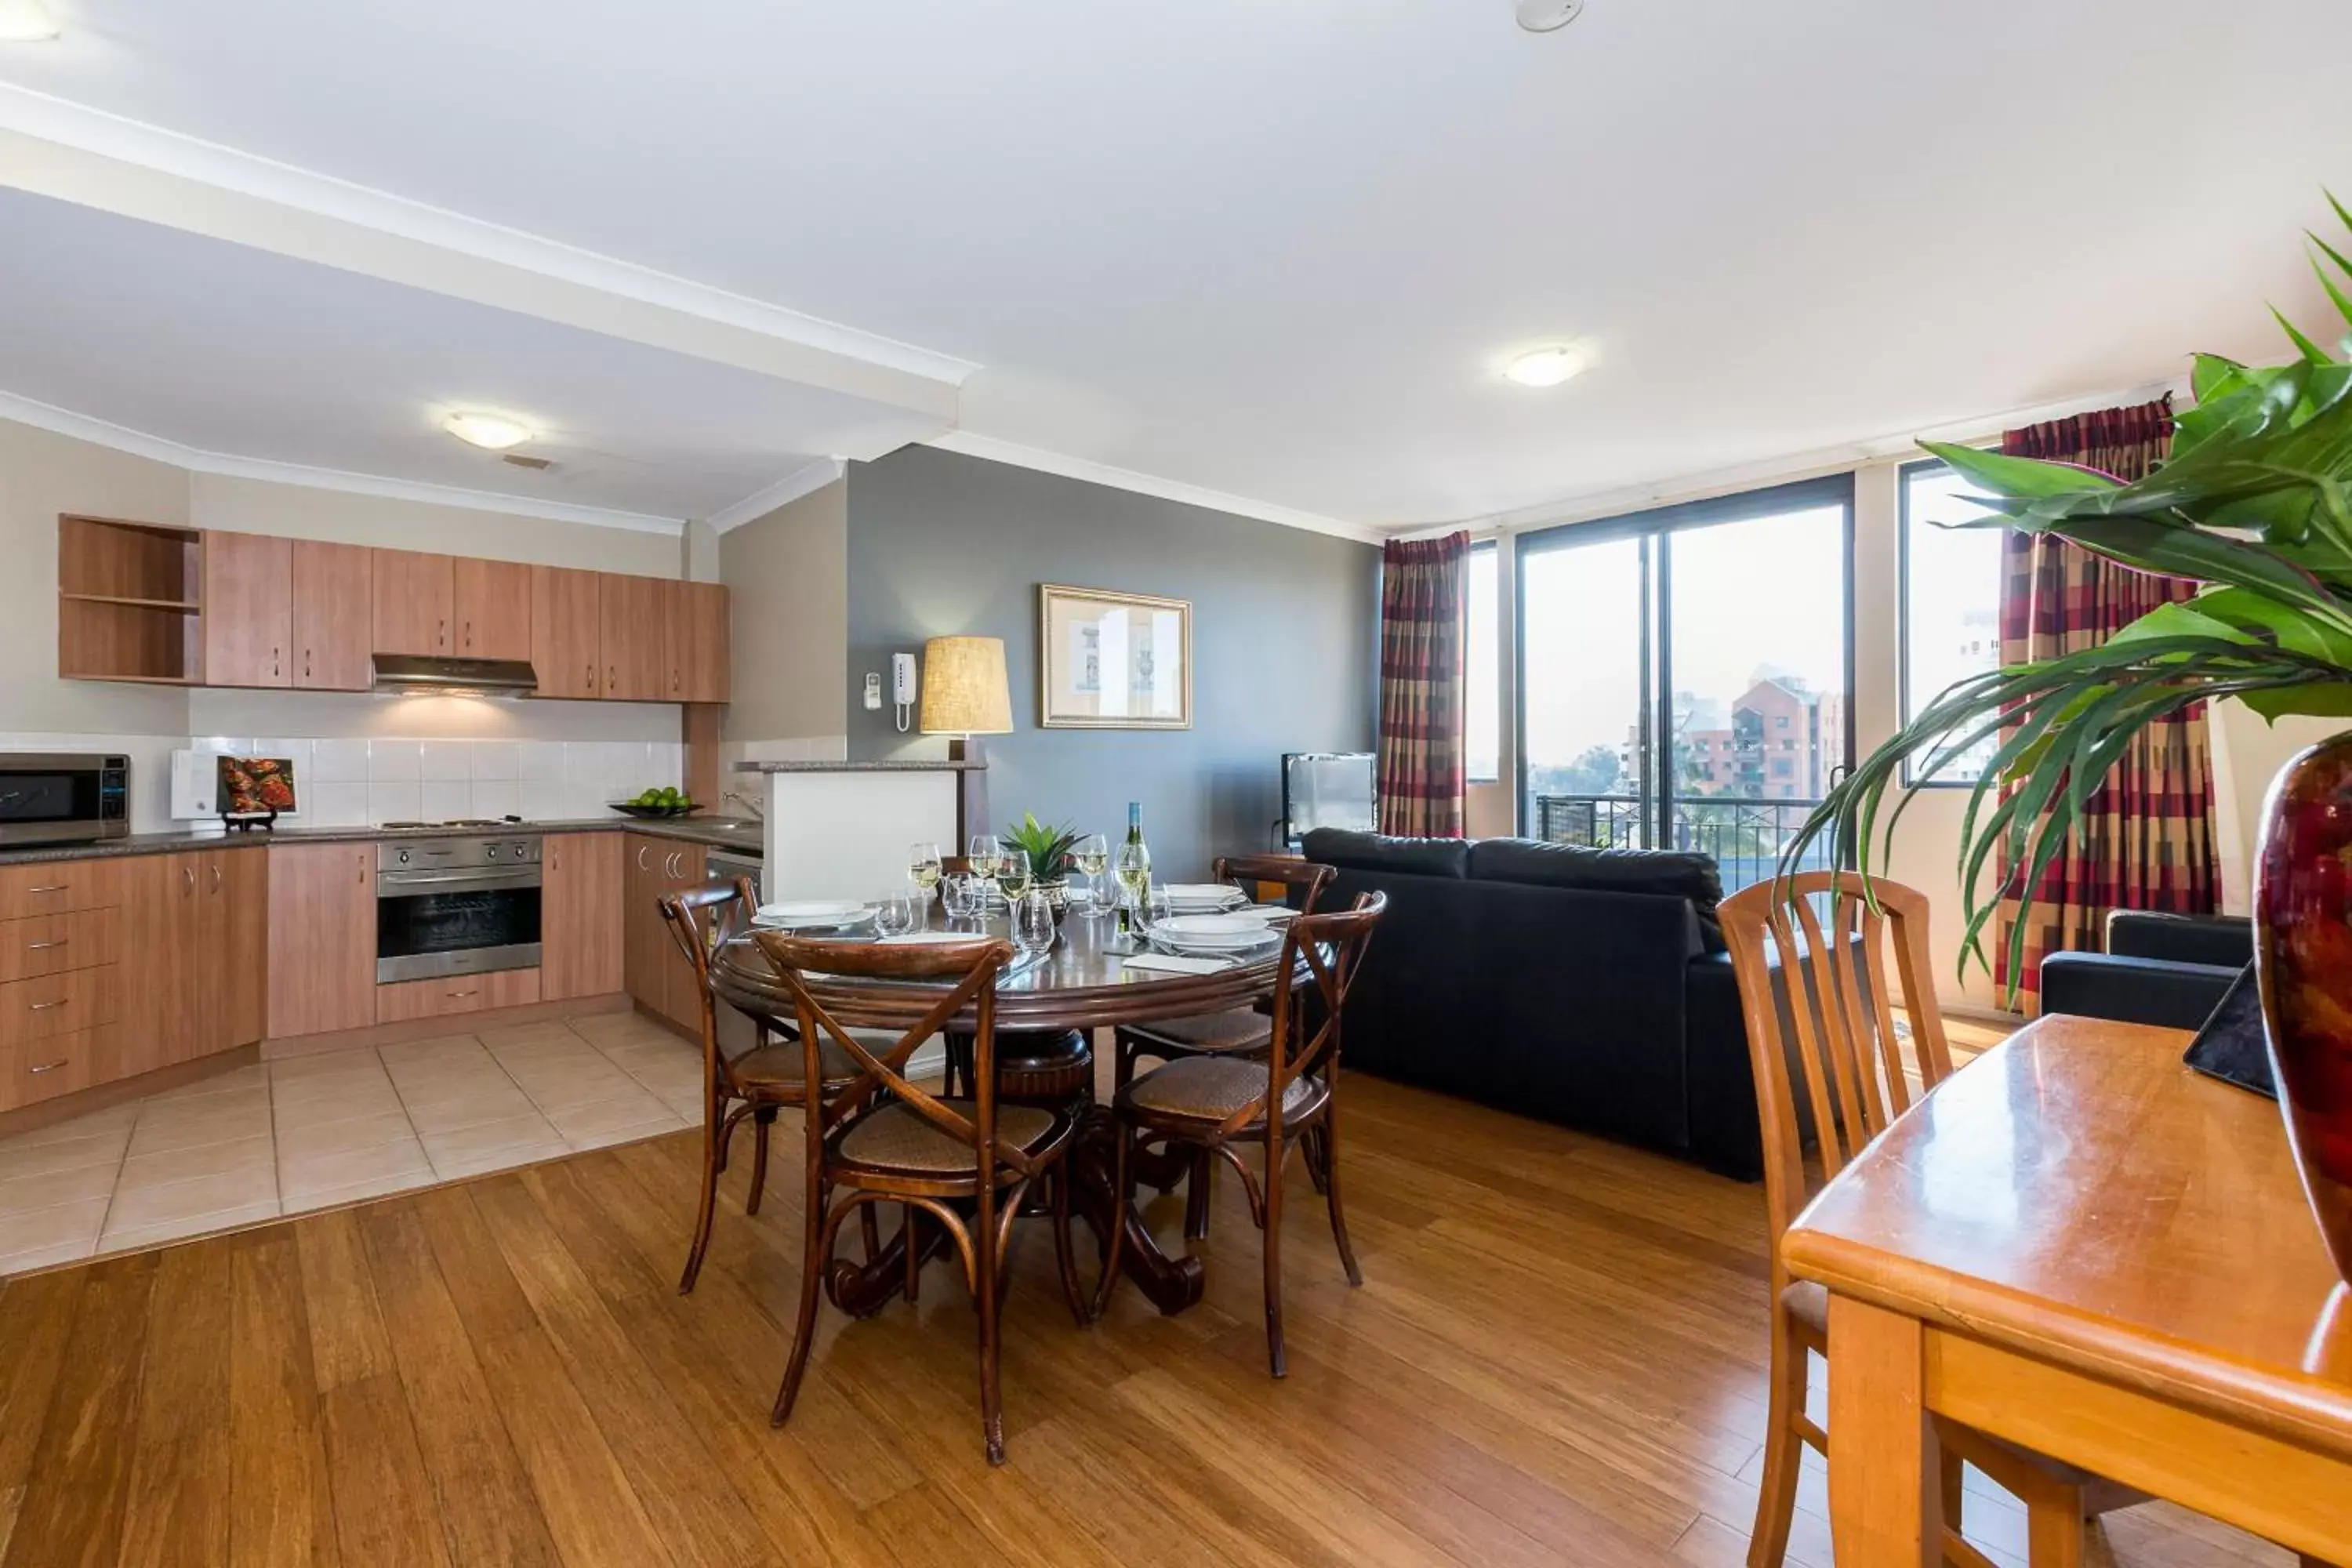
column 51, row 944
column 32, row 1070
column 406, row 999
column 57, row 1005
column 59, row 887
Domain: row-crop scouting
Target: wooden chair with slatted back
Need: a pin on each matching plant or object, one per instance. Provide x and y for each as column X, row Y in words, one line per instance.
column 1240, row 1031
column 1223, row 1104
column 1830, row 1065
column 880, row 1138
column 755, row 1084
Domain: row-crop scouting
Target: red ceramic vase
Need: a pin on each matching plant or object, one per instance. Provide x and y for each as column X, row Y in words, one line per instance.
column 2303, row 946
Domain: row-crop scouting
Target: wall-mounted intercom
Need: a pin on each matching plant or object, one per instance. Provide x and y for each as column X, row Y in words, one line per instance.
column 903, row 694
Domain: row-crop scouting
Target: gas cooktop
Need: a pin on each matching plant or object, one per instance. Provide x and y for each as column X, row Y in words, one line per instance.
column 453, row 822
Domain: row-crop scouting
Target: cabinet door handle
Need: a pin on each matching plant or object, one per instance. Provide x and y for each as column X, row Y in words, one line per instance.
column 469, row 634
column 217, row 882
column 441, row 633
column 641, row 855
column 190, row 873
column 460, row 996
column 273, row 661
column 50, row 888
column 306, row 664
column 588, row 682
column 45, row 946
column 47, row 1067
column 611, row 678
column 50, row 1006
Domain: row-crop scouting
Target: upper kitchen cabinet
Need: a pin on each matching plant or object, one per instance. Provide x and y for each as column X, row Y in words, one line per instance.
column 130, row 602
column 416, row 603
column 634, row 638
column 493, row 609
column 696, row 623
column 334, row 610
column 565, row 646
column 248, row 621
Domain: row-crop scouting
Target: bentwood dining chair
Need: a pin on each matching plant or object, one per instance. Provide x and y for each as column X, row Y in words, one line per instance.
column 1220, row 1105
column 880, row 1139
column 755, row 1084
column 1239, row 1032
column 1831, row 1067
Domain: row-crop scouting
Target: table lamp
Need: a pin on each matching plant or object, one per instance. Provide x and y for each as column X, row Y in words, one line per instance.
column 965, row 695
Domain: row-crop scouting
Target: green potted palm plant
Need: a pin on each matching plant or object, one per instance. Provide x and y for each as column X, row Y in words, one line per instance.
column 1047, row 850
column 2255, row 503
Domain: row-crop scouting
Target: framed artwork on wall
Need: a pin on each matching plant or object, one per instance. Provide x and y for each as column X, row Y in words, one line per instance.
column 1113, row 661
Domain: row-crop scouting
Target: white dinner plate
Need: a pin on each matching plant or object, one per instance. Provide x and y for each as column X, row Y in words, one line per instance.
column 931, row 938
column 1211, row 893
column 1191, row 927
column 811, row 909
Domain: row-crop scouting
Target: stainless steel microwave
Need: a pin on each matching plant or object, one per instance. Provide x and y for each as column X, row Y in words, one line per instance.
column 63, row 797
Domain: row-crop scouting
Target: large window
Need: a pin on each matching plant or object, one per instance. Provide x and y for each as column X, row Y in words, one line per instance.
column 1483, row 670
column 1684, row 674
column 1951, row 601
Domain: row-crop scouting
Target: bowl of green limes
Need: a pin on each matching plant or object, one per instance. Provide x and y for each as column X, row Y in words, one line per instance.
column 666, row 800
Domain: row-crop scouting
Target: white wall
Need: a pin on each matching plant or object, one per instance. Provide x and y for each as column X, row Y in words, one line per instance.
column 788, row 576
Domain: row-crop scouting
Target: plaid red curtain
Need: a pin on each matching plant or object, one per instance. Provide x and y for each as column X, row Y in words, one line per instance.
column 2146, row 842
column 1422, row 584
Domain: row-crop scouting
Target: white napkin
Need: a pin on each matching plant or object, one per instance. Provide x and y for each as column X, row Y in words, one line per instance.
column 1172, row 964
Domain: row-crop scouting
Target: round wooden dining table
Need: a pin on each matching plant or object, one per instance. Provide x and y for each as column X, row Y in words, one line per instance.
column 1047, row 1007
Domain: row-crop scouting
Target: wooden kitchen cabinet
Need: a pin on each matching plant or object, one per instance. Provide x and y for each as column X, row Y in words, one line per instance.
column 161, row 1013
column 334, row 611
column 633, row 637
column 583, row 922
column 659, row 977
column 415, row 601
column 698, row 637
column 321, row 938
column 248, row 609
column 566, row 632
column 235, row 950
column 493, row 609
column 406, row 999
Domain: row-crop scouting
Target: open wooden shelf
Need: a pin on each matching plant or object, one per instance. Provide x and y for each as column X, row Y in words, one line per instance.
column 129, row 601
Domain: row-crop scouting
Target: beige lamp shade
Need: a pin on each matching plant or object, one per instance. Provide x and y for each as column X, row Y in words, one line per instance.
column 964, row 689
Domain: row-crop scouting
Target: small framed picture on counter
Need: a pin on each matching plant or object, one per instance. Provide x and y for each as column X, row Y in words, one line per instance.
column 1113, row 661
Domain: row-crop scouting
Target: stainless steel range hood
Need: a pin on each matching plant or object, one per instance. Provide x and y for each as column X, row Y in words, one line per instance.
column 454, row 677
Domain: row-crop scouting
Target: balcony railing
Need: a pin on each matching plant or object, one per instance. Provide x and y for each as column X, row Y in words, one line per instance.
column 1745, row 836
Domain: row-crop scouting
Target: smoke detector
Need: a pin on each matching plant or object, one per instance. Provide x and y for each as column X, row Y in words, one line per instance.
column 1549, row 16
column 521, row 461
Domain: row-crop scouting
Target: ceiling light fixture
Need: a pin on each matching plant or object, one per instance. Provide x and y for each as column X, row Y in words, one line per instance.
column 1549, row 16
column 25, row 22
column 491, row 432
column 1546, row 367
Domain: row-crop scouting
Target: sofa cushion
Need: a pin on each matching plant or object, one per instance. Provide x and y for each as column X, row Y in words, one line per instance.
column 1352, row 852
column 1671, row 873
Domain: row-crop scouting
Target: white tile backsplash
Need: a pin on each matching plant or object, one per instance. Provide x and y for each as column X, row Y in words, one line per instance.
column 494, row 760
column 447, row 762
column 338, row 761
column 494, row 798
column 395, row 761
column 335, row 804
column 396, row 801
column 541, row 761
column 445, row 800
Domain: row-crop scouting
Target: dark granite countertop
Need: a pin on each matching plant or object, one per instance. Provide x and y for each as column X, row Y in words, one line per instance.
column 750, row 838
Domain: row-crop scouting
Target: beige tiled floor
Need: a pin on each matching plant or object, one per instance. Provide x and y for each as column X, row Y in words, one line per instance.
column 311, row 1132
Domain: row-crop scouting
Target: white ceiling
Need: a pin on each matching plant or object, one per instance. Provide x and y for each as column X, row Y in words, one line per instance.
column 1277, row 250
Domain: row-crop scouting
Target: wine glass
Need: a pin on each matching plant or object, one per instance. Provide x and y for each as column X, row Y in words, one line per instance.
column 984, row 852
column 1013, row 874
column 1132, row 865
column 923, row 866
column 1033, row 922
column 1091, row 854
column 896, row 913
column 959, row 897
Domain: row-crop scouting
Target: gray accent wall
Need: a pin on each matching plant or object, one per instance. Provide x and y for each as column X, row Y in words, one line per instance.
column 1286, row 630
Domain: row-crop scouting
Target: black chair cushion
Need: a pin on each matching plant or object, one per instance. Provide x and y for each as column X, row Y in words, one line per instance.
column 1675, row 873
column 1351, row 850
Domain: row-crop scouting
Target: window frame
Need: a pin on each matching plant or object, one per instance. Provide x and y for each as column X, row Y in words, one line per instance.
column 1903, row 477
column 1492, row 549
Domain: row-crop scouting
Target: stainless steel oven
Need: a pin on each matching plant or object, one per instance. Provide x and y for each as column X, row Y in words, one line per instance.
column 456, row 906
column 63, row 797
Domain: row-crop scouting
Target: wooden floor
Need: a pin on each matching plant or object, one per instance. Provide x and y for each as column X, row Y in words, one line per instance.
column 1556, row 1357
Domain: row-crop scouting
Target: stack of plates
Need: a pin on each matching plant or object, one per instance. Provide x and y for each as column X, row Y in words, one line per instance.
column 1203, row 898
column 1219, row 935
column 812, row 915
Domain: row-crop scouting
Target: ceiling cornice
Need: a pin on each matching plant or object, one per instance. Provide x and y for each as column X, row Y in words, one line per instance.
column 1625, row 499
column 805, row 481
column 53, row 147
column 989, row 447
column 139, row 443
